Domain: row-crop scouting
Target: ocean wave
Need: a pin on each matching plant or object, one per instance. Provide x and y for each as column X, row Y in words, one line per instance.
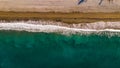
column 95, row 25
column 47, row 26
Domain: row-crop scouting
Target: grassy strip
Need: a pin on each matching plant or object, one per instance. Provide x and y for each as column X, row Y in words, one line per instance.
column 62, row 17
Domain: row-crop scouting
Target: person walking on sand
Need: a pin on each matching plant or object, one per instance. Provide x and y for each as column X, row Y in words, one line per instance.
column 100, row 2
column 81, row 1
column 110, row 1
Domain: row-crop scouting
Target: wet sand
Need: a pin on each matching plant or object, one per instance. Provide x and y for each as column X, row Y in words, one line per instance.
column 69, row 18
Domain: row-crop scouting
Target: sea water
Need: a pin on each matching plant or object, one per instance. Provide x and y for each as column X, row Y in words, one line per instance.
column 22, row 49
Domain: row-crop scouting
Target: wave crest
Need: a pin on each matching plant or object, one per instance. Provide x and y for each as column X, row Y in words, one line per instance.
column 47, row 26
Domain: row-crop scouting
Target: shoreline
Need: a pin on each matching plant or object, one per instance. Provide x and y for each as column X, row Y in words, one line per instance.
column 75, row 22
column 30, row 27
column 94, row 25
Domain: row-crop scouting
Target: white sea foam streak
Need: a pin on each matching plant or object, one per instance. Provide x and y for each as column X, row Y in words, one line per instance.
column 30, row 27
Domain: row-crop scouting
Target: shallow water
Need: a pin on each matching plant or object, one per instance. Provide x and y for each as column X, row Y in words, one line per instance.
column 21, row 49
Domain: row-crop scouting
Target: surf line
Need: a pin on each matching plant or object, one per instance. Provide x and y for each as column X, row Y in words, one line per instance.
column 47, row 28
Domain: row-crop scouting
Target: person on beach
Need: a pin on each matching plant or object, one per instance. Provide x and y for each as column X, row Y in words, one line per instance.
column 110, row 1
column 81, row 1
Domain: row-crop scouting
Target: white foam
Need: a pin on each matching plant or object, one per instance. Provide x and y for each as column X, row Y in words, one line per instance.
column 23, row 26
column 100, row 28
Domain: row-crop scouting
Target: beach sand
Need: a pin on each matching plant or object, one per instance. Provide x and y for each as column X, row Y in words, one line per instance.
column 59, row 6
column 66, row 11
column 68, row 18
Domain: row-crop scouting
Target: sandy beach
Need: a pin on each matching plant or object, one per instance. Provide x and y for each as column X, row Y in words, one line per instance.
column 59, row 6
column 67, row 13
column 69, row 18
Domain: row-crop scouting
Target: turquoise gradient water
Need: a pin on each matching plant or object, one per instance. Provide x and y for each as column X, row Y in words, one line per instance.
column 20, row 49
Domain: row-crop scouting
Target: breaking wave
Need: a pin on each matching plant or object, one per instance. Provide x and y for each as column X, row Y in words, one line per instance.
column 49, row 26
column 38, row 49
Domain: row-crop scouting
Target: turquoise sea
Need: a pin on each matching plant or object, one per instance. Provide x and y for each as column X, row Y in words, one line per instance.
column 21, row 49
